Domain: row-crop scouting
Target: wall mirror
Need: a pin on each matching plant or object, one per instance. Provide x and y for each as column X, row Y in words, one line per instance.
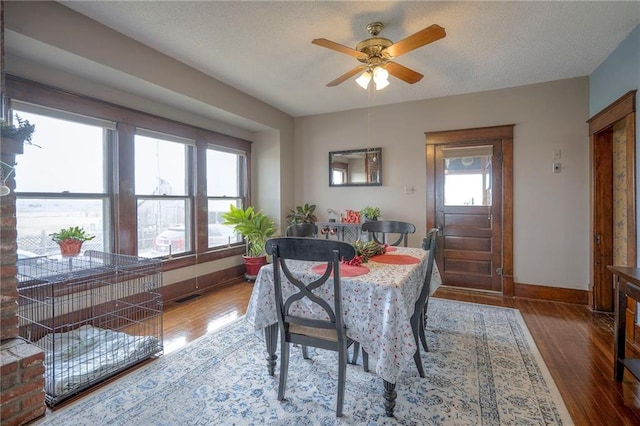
column 357, row 167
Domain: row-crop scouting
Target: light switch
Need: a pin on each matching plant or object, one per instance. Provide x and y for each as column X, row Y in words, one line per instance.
column 557, row 154
column 557, row 167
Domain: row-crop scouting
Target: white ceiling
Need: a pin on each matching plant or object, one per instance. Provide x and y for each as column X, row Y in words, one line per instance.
column 264, row 48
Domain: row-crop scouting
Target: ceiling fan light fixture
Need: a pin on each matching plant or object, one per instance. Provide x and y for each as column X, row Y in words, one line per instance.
column 364, row 79
column 380, row 74
column 380, row 77
column 381, row 84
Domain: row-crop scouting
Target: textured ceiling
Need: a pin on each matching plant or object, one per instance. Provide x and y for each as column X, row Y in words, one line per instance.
column 264, row 48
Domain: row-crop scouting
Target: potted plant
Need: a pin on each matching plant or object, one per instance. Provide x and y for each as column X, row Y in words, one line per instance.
column 70, row 240
column 17, row 134
column 370, row 213
column 302, row 214
column 256, row 228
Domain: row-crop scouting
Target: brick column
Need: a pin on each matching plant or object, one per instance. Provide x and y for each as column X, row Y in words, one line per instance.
column 22, row 393
column 8, row 249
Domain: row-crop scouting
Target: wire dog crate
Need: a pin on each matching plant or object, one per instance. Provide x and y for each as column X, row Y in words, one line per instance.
column 94, row 315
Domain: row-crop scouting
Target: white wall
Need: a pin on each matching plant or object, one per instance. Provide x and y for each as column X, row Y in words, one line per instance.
column 551, row 211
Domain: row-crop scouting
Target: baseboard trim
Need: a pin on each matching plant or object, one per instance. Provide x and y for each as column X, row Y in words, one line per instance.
column 556, row 294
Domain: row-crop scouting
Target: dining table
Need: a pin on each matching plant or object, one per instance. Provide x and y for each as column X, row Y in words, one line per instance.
column 378, row 299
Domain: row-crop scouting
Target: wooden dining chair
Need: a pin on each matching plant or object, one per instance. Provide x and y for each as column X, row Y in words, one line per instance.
column 328, row 332
column 302, row 230
column 378, row 230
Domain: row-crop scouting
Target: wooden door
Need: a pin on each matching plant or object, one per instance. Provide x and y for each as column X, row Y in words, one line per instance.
column 468, row 199
column 613, row 205
column 475, row 245
column 603, row 220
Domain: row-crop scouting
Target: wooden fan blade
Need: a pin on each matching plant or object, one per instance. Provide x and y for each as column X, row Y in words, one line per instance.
column 346, row 76
column 338, row 47
column 419, row 39
column 403, row 73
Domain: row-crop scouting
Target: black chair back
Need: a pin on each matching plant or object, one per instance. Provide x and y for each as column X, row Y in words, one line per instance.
column 430, row 245
column 302, row 230
column 378, row 230
column 328, row 332
column 419, row 316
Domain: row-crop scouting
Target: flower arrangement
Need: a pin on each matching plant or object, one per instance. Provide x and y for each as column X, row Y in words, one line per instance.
column 364, row 251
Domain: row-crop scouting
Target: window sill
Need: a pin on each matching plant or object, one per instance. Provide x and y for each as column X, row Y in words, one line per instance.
column 189, row 259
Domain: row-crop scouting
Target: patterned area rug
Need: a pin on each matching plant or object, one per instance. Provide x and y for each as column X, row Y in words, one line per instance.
column 483, row 368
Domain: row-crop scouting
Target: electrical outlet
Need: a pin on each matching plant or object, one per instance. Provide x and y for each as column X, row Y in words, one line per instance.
column 557, row 154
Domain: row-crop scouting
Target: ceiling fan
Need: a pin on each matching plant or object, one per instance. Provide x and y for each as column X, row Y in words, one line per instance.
column 376, row 54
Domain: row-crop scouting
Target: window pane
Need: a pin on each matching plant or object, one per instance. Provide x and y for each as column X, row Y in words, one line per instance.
column 467, row 181
column 223, row 174
column 163, row 227
column 68, row 157
column 37, row 218
column 160, row 167
column 220, row 235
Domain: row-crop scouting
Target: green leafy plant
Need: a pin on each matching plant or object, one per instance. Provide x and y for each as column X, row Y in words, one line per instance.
column 302, row 214
column 369, row 212
column 254, row 226
column 71, row 233
column 22, row 132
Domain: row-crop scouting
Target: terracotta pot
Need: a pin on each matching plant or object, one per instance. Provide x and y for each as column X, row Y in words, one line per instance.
column 70, row 247
column 253, row 265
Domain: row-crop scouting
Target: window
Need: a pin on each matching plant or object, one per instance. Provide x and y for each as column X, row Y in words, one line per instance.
column 162, row 194
column 62, row 180
column 225, row 186
column 467, row 176
column 125, row 176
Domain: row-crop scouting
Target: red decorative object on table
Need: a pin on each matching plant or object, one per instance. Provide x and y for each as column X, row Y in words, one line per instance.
column 351, row 217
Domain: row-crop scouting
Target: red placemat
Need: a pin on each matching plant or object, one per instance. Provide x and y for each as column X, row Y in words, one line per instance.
column 345, row 270
column 395, row 259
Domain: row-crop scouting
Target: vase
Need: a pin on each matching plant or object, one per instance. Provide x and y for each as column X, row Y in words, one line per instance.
column 253, row 265
column 70, row 247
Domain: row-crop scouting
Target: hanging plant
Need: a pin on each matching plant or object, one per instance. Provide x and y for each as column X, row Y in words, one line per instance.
column 22, row 132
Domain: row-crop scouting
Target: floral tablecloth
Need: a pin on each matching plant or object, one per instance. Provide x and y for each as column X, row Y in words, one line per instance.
column 377, row 305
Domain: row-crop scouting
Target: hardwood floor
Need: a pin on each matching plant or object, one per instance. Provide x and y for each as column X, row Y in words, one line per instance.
column 576, row 344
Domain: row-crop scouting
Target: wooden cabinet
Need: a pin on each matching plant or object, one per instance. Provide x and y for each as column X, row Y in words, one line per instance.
column 627, row 284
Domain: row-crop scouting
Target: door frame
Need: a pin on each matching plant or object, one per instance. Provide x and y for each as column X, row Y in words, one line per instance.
column 505, row 134
column 601, row 292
